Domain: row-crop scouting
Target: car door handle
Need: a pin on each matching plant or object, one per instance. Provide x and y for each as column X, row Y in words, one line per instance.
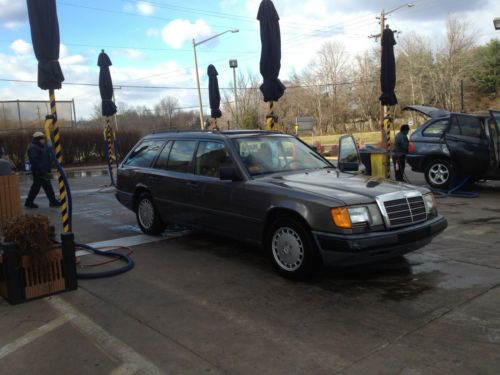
column 154, row 178
column 193, row 185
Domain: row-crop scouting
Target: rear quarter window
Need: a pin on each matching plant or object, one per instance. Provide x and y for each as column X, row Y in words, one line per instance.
column 144, row 154
column 436, row 129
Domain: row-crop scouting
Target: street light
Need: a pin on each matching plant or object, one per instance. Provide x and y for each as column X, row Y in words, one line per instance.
column 196, row 44
column 496, row 22
column 233, row 64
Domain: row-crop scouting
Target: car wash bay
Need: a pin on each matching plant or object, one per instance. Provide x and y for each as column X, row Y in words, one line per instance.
column 200, row 304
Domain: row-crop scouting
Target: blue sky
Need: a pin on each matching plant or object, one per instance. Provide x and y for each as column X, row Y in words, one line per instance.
column 149, row 41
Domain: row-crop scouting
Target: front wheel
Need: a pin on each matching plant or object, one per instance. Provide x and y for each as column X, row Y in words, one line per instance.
column 148, row 217
column 291, row 248
column 439, row 174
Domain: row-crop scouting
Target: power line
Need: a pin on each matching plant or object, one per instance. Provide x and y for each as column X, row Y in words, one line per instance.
column 119, row 86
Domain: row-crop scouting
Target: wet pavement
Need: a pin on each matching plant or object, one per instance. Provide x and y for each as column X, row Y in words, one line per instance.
column 201, row 304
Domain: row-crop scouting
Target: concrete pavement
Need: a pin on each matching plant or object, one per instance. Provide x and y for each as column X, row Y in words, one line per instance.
column 201, row 304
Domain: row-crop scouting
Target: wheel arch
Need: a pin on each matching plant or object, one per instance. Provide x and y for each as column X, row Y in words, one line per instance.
column 139, row 190
column 276, row 212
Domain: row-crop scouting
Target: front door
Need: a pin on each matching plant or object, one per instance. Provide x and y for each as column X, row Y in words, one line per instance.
column 468, row 145
column 212, row 198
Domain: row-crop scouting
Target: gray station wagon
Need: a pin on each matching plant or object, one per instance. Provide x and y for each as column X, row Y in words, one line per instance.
column 273, row 190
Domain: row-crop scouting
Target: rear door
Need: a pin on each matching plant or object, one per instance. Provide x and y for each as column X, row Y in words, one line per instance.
column 494, row 126
column 469, row 149
column 173, row 172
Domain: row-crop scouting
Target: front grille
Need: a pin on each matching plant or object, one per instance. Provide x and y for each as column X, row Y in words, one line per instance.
column 405, row 211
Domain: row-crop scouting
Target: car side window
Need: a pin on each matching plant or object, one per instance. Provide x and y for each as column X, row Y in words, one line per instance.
column 436, row 129
column 181, row 156
column 144, row 154
column 162, row 161
column 210, row 157
column 467, row 126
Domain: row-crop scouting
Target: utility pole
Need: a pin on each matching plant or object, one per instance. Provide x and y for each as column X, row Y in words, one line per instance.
column 196, row 44
column 383, row 18
column 233, row 64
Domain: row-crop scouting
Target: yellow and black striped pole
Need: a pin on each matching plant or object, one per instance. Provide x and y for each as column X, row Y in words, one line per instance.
column 52, row 122
column 388, row 129
column 109, row 137
column 270, row 118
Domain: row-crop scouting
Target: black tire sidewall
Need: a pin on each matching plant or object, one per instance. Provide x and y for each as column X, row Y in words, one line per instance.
column 311, row 261
column 451, row 178
column 157, row 227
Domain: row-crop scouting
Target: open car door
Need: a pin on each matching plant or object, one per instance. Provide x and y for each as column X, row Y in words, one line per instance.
column 349, row 159
column 468, row 145
column 427, row 111
column 495, row 136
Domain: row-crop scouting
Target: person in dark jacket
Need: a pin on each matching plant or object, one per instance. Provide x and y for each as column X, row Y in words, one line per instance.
column 401, row 149
column 39, row 157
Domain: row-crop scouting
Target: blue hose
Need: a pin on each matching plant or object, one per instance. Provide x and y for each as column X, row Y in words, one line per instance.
column 99, row 275
column 95, row 275
column 455, row 191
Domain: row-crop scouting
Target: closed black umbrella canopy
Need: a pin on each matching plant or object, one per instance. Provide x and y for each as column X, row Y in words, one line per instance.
column 388, row 69
column 213, row 91
column 46, row 43
column 270, row 59
column 106, row 85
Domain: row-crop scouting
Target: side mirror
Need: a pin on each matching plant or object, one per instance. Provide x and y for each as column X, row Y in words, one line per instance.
column 349, row 159
column 229, row 174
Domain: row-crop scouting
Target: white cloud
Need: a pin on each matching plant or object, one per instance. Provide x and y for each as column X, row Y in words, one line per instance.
column 12, row 13
column 179, row 31
column 129, row 53
column 21, row 47
column 152, row 32
column 145, row 8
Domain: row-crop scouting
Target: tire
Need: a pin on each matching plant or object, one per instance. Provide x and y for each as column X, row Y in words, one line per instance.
column 291, row 248
column 439, row 174
column 147, row 215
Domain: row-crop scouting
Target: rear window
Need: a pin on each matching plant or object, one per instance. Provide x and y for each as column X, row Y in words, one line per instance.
column 144, row 154
column 181, row 156
column 437, row 129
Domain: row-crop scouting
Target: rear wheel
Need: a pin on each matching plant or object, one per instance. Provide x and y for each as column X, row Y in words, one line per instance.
column 291, row 248
column 439, row 174
column 148, row 217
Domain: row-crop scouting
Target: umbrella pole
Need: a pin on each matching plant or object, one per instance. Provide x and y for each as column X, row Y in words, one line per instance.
column 108, row 137
column 270, row 118
column 388, row 128
column 59, row 157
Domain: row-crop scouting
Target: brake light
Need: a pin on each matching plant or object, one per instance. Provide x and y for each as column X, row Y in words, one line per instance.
column 411, row 148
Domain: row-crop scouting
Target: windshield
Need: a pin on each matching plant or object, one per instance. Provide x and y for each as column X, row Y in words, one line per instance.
column 274, row 154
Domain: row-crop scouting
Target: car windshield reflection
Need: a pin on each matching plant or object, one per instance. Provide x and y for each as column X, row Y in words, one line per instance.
column 266, row 155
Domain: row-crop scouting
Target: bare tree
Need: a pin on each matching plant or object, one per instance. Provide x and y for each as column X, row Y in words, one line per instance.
column 166, row 109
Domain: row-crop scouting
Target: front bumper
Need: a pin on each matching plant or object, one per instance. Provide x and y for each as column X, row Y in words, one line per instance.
column 347, row 250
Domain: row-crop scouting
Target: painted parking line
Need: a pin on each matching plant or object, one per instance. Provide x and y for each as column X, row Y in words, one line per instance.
column 32, row 336
column 141, row 239
column 130, row 361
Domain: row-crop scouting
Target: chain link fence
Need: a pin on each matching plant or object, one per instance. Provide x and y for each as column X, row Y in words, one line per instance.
column 30, row 115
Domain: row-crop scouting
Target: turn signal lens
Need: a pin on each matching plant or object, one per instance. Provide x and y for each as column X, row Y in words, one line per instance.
column 341, row 218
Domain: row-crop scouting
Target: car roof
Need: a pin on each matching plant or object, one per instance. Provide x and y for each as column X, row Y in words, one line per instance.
column 204, row 134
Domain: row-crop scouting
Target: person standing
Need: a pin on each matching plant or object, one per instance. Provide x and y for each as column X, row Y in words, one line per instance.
column 39, row 157
column 401, row 149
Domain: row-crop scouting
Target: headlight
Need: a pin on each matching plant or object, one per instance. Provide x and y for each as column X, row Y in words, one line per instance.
column 347, row 217
column 430, row 204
